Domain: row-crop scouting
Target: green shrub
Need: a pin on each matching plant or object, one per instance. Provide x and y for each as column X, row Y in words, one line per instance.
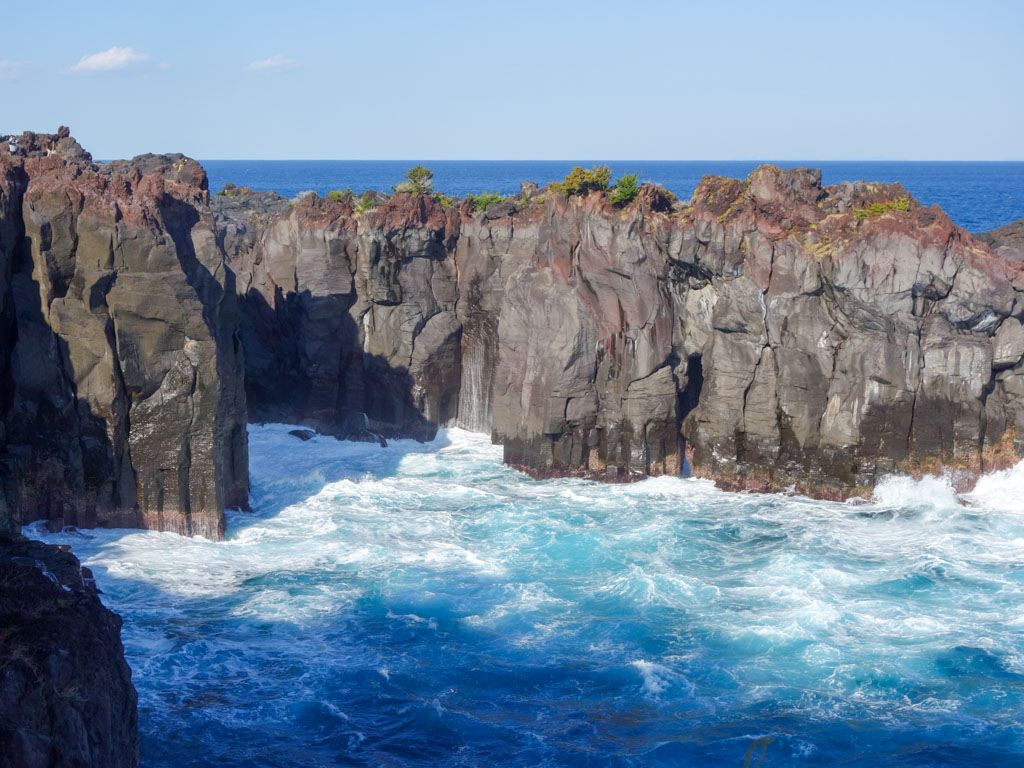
column 340, row 196
column 580, row 181
column 484, row 199
column 366, row 202
column 418, row 180
column 230, row 190
column 877, row 209
column 625, row 189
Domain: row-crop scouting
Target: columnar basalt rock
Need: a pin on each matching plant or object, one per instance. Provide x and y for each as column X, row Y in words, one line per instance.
column 772, row 333
column 350, row 321
column 123, row 403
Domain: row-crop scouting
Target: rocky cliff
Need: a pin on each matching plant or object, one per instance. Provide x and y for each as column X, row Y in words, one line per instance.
column 66, row 695
column 122, row 402
column 772, row 333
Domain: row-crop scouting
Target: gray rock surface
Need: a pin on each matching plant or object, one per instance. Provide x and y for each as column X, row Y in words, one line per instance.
column 1006, row 242
column 772, row 333
column 349, row 321
column 124, row 402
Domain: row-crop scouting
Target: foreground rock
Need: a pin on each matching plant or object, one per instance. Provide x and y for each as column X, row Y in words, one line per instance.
column 772, row 333
column 124, row 403
column 66, row 695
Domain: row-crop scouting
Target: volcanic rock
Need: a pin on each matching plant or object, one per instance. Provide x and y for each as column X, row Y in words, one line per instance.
column 123, row 402
column 66, row 694
column 771, row 334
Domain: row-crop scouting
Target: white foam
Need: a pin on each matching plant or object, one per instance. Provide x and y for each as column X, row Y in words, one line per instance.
column 905, row 491
column 657, row 678
column 409, row 540
column 1003, row 490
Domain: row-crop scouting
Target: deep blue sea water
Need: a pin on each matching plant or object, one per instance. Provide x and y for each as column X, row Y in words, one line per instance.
column 424, row 605
column 977, row 196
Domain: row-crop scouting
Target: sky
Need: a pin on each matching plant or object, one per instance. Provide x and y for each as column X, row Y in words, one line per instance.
column 722, row 80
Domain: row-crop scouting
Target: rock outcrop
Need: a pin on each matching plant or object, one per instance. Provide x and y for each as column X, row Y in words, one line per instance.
column 1006, row 242
column 771, row 334
column 66, row 694
column 122, row 402
column 349, row 322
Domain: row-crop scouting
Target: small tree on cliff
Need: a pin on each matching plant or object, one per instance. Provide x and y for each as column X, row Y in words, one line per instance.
column 581, row 181
column 418, row 181
column 625, row 189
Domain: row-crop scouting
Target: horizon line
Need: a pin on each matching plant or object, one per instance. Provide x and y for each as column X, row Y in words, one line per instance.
column 539, row 160
column 570, row 160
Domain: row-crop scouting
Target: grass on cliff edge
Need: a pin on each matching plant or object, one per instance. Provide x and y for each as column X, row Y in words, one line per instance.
column 877, row 209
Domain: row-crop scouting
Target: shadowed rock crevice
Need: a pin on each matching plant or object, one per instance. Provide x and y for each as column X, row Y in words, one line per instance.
column 352, row 332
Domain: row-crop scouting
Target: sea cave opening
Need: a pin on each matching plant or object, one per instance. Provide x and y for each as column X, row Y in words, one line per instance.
column 688, row 399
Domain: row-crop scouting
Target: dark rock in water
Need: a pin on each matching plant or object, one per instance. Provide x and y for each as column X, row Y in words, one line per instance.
column 66, row 694
column 777, row 333
column 303, row 434
column 123, row 402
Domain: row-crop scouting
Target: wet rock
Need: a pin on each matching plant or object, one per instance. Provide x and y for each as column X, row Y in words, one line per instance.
column 303, row 434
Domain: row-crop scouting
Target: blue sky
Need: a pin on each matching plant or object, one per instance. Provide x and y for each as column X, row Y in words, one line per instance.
column 523, row 80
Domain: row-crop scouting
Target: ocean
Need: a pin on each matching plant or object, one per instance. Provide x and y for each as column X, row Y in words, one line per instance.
column 424, row 605
column 977, row 195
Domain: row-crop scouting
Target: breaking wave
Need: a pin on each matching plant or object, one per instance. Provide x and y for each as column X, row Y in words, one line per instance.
column 425, row 605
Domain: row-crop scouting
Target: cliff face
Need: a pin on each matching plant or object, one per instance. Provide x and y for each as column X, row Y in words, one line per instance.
column 774, row 332
column 122, row 401
column 66, row 696
column 346, row 317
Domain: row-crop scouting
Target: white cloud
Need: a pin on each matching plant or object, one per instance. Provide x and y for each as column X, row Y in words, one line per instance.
column 112, row 58
column 10, row 69
column 272, row 64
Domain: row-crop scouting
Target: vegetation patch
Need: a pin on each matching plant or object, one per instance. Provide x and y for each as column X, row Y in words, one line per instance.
column 484, row 199
column 625, row 189
column 230, row 190
column 877, row 209
column 366, row 202
column 580, row 181
column 419, row 180
column 341, row 195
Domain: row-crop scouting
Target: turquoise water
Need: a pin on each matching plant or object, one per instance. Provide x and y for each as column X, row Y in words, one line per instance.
column 977, row 196
column 424, row 605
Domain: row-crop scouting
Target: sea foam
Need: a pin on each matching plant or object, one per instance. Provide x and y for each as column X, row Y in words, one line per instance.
column 422, row 604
